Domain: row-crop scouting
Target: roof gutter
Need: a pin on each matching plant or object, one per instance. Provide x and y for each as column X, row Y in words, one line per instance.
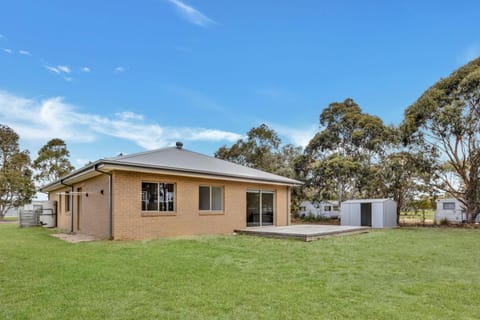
column 70, row 176
column 110, row 210
column 193, row 173
column 70, row 201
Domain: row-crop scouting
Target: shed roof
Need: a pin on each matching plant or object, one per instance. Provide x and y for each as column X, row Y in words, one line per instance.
column 367, row 201
column 175, row 161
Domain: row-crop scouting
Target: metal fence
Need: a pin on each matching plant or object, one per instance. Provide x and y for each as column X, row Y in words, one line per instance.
column 29, row 218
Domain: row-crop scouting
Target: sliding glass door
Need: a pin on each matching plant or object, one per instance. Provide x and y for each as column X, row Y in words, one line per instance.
column 260, row 208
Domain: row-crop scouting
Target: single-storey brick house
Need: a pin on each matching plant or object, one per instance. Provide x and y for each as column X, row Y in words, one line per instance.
column 168, row 192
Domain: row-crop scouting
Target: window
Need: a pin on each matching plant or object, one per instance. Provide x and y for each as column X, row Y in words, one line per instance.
column 67, row 201
column 210, row 198
column 328, row 208
column 158, row 196
column 449, row 206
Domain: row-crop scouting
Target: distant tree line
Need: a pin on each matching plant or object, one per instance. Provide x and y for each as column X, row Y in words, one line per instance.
column 355, row 155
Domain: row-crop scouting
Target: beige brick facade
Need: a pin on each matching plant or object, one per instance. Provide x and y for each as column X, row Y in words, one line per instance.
column 90, row 213
column 89, row 207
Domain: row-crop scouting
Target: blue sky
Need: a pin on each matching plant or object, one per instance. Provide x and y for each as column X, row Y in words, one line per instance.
column 124, row 76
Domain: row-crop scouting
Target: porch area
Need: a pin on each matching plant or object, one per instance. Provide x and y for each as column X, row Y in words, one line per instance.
column 304, row 232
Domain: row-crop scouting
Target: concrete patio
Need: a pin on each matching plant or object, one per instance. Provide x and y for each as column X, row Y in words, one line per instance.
column 305, row 232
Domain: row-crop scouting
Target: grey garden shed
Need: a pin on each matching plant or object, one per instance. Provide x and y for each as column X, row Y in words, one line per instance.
column 375, row 213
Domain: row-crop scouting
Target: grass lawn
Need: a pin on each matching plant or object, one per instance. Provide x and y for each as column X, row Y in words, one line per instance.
column 427, row 273
column 10, row 219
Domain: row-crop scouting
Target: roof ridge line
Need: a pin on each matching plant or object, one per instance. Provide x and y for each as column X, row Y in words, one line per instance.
column 127, row 156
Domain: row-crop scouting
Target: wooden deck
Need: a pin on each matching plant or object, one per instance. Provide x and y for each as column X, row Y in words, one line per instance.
column 305, row 232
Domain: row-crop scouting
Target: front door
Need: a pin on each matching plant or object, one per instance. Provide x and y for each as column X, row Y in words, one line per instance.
column 260, row 208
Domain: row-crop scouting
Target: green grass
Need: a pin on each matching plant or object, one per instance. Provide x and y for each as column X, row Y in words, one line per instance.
column 388, row 274
column 10, row 219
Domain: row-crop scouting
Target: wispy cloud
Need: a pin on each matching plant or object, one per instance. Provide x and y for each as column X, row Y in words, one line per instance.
column 42, row 120
column 61, row 70
column 45, row 119
column 7, row 50
column 191, row 14
column 129, row 115
column 85, row 69
column 82, row 162
column 24, row 52
column 52, row 69
column 120, row 69
column 58, row 69
column 469, row 53
column 64, row 69
column 296, row 136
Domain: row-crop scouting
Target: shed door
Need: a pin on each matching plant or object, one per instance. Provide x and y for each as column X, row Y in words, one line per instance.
column 366, row 214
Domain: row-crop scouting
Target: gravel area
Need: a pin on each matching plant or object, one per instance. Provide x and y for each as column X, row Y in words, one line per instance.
column 74, row 238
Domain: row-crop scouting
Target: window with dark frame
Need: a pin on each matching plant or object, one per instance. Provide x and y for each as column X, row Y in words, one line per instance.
column 449, row 206
column 158, row 196
column 67, row 201
column 210, row 198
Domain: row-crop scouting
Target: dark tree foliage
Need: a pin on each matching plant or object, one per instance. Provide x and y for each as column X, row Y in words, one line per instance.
column 340, row 156
column 16, row 185
column 445, row 123
column 262, row 149
column 52, row 162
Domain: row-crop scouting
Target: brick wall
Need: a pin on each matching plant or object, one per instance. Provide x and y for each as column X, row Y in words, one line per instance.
column 90, row 213
column 130, row 222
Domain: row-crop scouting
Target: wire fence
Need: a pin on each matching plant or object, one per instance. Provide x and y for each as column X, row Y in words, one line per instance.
column 417, row 218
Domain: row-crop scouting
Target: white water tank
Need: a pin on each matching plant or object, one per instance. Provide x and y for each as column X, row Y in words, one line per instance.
column 48, row 217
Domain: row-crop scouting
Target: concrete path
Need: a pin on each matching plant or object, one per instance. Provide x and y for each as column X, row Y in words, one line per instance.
column 74, row 238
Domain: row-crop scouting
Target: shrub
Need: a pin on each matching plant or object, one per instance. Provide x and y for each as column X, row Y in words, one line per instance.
column 444, row 222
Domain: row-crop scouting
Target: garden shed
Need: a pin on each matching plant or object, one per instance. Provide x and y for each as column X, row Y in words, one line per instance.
column 375, row 213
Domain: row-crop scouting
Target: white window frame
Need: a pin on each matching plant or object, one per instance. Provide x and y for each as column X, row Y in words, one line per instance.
column 210, row 187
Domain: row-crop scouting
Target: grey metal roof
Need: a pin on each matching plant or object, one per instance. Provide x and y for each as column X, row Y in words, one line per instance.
column 367, row 200
column 177, row 159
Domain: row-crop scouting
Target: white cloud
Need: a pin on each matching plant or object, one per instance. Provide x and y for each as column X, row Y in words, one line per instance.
column 24, row 52
column 58, row 69
column 6, row 50
column 46, row 119
column 85, row 69
column 41, row 120
column 52, row 69
column 64, row 69
column 119, row 69
column 300, row 137
column 191, row 14
column 81, row 162
column 128, row 115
